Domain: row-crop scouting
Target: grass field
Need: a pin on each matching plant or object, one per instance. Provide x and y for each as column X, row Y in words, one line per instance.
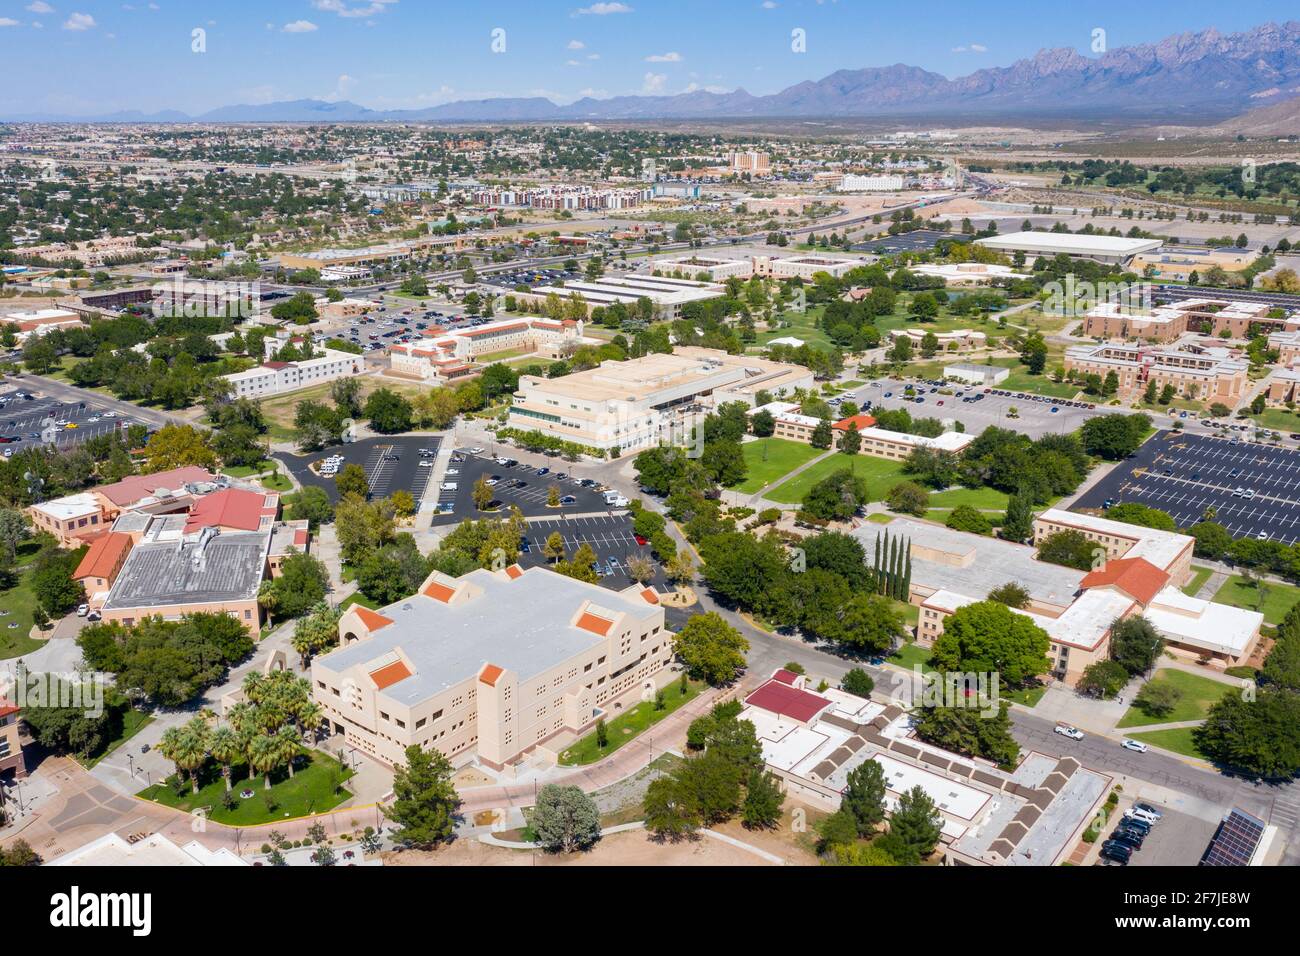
column 280, row 410
column 984, row 499
column 244, row 471
column 1198, row 694
column 627, row 725
column 909, row 656
column 1199, row 577
column 1269, row 598
column 314, row 788
column 133, row 721
column 881, row 475
column 767, row 459
column 18, row 604
column 803, row 325
column 1278, row 419
column 1179, row 740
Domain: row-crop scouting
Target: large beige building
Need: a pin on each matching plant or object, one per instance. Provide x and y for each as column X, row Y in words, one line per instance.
column 442, row 356
column 1209, row 374
column 1164, row 324
column 666, row 294
column 489, row 665
column 628, row 406
column 1139, row 572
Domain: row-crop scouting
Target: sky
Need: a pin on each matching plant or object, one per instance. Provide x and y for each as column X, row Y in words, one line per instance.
column 80, row 57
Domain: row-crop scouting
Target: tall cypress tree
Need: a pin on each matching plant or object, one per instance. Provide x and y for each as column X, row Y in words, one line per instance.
column 907, row 575
column 875, row 567
column 893, row 564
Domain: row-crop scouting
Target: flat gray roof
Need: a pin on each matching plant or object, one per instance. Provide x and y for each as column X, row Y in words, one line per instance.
column 996, row 562
column 521, row 625
column 155, row 575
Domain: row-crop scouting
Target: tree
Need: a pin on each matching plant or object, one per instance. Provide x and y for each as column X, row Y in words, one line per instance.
column 864, row 796
column 1212, row 539
column 1135, row 644
column 968, row 729
column 403, row 503
column 1103, row 679
column 425, row 801
column 725, row 462
column 388, row 412
column 987, row 636
column 51, row 580
column 1018, row 523
column 1114, row 436
column 840, row 829
column 839, row 553
column 316, row 632
column 858, row 682
column 1158, row 698
column 553, row 548
column 176, row 446
column 482, row 494
column 822, row 435
column 916, row 823
column 302, row 583
column 1068, row 548
column 352, row 481
column 968, row 519
column 565, row 819
column 851, row 440
column 711, row 649
column 837, row 497
column 763, row 798
column 671, row 809
column 1257, row 736
column 1011, row 594
column 346, row 395
column 907, row 497
column 762, row 424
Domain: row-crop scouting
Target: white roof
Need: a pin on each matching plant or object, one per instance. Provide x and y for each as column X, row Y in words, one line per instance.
column 948, row 441
column 70, row 506
column 1161, row 548
column 786, row 340
column 1071, row 243
column 153, row 850
column 1204, row 624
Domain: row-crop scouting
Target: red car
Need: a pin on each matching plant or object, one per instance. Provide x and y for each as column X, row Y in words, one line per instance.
column 640, row 540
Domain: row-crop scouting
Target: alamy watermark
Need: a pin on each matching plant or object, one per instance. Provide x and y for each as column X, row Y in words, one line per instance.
column 191, row 298
column 53, row 689
column 1074, row 298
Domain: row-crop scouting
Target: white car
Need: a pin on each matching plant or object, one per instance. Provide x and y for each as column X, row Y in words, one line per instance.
column 449, row 486
column 83, row 610
column 428, row 464
column 1065, row 730
column 476, row 451
column 450, row 471
column 1137, row 746
column 1148, row 818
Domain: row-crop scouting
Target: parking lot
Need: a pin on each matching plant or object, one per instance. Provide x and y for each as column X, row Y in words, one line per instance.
column 1254, row 489
column 1034, row 414
column 610, row 536
column 920, row 240
column 27, row 420
column 531, row 277
column 391, row 464
column 517, row 484
column 1179, row 839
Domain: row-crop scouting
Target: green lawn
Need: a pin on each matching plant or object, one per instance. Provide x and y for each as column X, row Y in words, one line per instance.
column 358, row 598
column 19, row 603
column 1179, row 740
column 1198, row 694
column 277, row 482
column 879, row 517
column 245, row 471
column 767, row 459
column 1022, row 381
column 1271, row 599
column 133, row 721
column 910, row 655
column 627, row 725
column 881, row 474
column 314, row 788
column 803, row 325
column 1028, row 696
column 1198, row 579
column 1278, row 419
column 983, row 499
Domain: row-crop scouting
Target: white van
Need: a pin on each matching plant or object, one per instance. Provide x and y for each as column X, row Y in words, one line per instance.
column 615, row 500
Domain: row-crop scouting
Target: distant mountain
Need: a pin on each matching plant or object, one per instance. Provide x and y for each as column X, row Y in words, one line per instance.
column 1190, row 77
column 1279, row 119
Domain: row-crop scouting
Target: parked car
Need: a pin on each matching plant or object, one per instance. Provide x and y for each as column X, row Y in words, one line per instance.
column 1115, row 852
column 1148, row 809
column 1136, row 746
column 1136, row 814
column 1065, row 730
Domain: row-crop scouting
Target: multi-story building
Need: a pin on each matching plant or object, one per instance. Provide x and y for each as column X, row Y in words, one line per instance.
column 852, row 183
column 443, row 356
column 790, row 424
column 75, row 519
column 804, row 267
column 1223, row 318
column 750, row 162
column 275, row 378
column 1108, row 249
column 561, row 197
column 666, row 294
column 11, row 745
column 704, row 268
column 628, row 406
column 1140, row 572
column 1209, row 374
column 489, row 665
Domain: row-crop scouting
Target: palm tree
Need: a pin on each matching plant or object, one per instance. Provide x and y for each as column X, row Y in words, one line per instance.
column 288, row 746
column 172, row 746
column 309, row 716
column 184, row 746
column 226, row 747
column 263, row 756
column 254, row 686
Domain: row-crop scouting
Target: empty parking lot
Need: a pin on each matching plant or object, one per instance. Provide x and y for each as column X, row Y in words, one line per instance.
column 391, row 464
column 1253, row 489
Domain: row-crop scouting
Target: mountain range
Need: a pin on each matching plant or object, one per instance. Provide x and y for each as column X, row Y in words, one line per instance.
column 1200, row 77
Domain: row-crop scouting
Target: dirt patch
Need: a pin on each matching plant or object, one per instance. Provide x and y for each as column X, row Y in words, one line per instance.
column 471, row 777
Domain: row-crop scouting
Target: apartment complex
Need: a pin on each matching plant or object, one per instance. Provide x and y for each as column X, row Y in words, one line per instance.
column 491, row 665
column 443, row 356
column 1209, row 374
column 1032, row 816
column 1141, row 573
column 628, row 406
column 1223, row 318
column 854, row 183
column 561, row 197
column 749, row 162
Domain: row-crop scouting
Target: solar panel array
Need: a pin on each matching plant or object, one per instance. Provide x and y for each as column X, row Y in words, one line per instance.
column 1235, row 842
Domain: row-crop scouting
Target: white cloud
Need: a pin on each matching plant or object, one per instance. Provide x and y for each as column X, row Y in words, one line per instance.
column 343, row 10
column 593, row 56
column 572, row 63
column 79, row 21
column 40, row 6
column 299, row 26
column 576, row 45
column 342, row 86
column 8, row 22
column 653, row 83
column 973, row 48
column 664, row 58
column 769, row 4
column 602, row 9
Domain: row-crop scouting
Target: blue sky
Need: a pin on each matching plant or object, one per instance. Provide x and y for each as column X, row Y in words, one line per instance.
column 86, row 57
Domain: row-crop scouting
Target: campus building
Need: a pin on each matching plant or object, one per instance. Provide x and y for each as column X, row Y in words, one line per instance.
column 276, row 378
column 11, row 745
column 666, row 294
column 963, row 340
column 1141, row 573
column 1203, row 373
column 1032, row 816
column 442, row 356
column 1107, row 249
column 76, row 519
column 493, row 664
column 792, row 425
column 967, row 273
column 704, row 268
column 631, row 405
column 804, row 267
column 1222, row 318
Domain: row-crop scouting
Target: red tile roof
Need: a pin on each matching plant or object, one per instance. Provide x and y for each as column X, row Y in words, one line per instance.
column 390, row 674
column 371, row 619
column 514, row 572
column 232, row 508
column 862, row 421
column 104, row 556
column 785, row 676
column 1136, row 577
column 651, row 595
column 491, row 674
column 7, row 708
column 439, row 592
column 779, row 698
column 597, row 625
column 130, row 490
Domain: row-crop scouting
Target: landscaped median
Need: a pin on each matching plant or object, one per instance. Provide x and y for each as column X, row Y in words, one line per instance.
column 628, row 725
